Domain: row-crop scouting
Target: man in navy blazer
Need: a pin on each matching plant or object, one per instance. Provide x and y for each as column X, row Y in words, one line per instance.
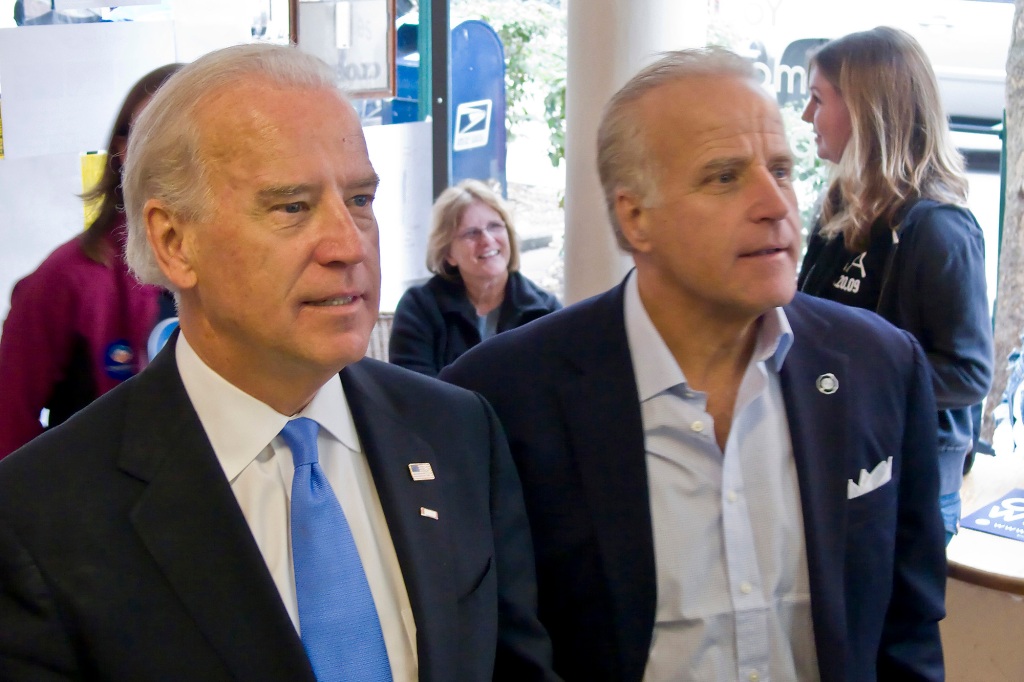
column 148, row 537
column 725, row 480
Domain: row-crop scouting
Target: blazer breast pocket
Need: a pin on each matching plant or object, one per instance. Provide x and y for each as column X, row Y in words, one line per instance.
column 878, row 503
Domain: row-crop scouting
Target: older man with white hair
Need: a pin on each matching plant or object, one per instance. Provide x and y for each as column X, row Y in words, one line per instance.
column 725, row 480
column 261, row 503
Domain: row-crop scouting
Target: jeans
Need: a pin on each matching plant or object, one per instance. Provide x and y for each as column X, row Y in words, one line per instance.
column 949, row 506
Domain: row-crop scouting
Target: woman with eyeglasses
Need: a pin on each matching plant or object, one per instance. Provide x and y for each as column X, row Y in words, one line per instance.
column 476, row 291
column 79, row 325
column 894, row 235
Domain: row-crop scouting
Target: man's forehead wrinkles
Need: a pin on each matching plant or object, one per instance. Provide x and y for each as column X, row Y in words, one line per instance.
column 354, row 179
column 724, row 135
column 760, row 125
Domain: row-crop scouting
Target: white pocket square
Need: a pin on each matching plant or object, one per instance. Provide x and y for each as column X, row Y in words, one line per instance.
column 878, row 477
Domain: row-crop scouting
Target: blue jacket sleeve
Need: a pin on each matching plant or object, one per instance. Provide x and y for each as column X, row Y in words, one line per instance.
column 943, row 302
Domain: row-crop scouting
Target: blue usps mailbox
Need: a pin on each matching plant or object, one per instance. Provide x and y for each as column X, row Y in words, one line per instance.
column 477, row 98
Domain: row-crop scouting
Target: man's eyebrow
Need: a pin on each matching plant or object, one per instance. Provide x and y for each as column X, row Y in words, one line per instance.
column 371, row 181
column 785, row 158
column 724, row 163
column 283, row 192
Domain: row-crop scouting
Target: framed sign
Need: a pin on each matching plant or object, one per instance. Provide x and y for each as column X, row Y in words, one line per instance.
column 355, row 37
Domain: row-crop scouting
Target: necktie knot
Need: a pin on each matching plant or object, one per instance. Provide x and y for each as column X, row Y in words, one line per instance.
column 300, row 435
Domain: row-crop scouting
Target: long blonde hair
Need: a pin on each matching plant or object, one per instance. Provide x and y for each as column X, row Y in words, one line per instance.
column 901, row 147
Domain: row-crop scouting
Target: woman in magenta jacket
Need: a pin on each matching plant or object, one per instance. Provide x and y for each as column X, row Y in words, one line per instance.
column 79, row 324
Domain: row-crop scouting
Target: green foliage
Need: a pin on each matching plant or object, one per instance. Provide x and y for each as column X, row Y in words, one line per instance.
column 810, row 177
column 533, row 33
column 554, row 116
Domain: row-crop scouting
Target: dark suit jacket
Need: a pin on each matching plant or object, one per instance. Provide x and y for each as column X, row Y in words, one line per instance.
column 124, row 555
column 565, row 391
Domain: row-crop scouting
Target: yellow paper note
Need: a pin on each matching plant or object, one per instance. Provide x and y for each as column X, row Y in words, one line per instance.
column 92, row 170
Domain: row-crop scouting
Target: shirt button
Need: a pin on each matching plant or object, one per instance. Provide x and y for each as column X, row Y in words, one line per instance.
column 731, row 496
column 697, row 427
column 753, row 676
column 746, row 588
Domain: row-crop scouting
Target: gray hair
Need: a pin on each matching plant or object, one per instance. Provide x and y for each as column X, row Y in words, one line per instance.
column 165, row 159
column 623, row 152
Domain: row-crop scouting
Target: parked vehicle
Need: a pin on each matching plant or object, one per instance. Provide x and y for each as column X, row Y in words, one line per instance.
column 967, row 41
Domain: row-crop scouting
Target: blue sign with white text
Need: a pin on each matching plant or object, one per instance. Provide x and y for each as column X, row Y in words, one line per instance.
column 1004, row 517
column 478, row 103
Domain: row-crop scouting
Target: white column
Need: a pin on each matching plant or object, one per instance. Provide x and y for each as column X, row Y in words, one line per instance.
column 609, row 41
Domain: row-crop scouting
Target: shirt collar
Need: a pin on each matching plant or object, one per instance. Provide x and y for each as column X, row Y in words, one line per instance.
column 774, row 339
column 654, row 366
column 239, row 426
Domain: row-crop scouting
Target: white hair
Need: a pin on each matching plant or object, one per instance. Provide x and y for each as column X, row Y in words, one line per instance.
column 623, row 150
column 165, row 160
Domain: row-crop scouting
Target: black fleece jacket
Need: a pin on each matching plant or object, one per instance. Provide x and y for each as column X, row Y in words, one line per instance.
column 435, row 322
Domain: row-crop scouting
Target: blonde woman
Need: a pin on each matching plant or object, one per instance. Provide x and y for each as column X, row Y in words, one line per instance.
column 477, row 290
column 894, row 235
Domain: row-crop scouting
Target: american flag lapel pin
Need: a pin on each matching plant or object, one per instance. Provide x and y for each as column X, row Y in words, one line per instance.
column 421, row 471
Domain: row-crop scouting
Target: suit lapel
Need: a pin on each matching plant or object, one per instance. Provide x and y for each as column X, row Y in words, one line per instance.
column 818, row 425
column 603, row 391
column 423, row 545
column 613, row 468
column 190, row 522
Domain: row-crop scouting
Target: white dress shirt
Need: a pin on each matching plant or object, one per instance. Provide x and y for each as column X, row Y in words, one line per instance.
column 244, row 433
column 731, row 562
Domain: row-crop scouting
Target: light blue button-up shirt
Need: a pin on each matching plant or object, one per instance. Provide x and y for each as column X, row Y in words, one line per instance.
column 731, row 562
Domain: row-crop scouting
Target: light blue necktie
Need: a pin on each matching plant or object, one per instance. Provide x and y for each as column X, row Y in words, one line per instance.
column 337, row 617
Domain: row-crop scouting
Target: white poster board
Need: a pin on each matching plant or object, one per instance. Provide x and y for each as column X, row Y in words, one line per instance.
column 63, row 83
column 401, row 155
column 41, row 210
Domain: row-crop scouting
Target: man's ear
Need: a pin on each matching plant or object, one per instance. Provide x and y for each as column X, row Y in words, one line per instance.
column 171, row 241
column 633, row 218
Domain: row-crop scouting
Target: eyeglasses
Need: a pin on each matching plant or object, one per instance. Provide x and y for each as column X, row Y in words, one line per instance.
column 473, row 234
